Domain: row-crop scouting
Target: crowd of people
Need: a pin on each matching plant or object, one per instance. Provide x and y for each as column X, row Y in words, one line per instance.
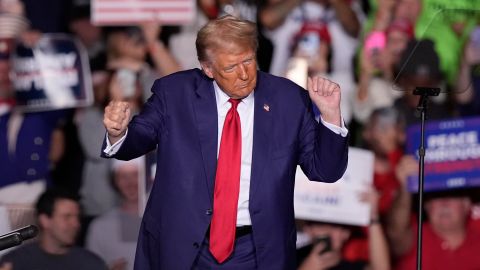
column 88, row 208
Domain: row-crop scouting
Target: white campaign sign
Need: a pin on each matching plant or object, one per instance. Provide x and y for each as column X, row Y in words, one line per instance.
column 132, row 12
column 337, row 202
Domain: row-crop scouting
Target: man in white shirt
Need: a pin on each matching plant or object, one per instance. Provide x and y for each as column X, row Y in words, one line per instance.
column 230, row 135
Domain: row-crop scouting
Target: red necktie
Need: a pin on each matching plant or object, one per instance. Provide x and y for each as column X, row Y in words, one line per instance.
column 227, row 186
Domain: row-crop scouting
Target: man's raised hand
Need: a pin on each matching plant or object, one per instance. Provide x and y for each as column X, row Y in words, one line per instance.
column 326, row 96
column 115, row 119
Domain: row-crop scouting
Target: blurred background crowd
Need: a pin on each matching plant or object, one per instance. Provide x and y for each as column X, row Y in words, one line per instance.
column 51, row 173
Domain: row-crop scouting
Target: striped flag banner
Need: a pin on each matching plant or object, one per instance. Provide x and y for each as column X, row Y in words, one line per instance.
column 128, row 12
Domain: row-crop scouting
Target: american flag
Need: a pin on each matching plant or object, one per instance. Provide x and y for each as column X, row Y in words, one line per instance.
column 127, row 12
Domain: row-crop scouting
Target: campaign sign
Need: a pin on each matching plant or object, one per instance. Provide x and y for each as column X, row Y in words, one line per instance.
column 132, row 12
column 452, row 158
column 337, row 202
column 54, row 74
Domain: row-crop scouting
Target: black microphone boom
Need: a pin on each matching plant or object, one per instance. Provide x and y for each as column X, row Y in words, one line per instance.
column 16, row 237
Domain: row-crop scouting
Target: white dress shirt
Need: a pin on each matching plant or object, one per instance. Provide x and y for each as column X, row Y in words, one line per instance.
column 245, row 110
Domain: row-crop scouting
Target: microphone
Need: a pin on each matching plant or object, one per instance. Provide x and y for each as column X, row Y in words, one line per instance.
column 16, row 237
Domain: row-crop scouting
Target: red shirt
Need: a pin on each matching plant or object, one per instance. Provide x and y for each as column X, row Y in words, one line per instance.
column 387, row 185
column 437, row 257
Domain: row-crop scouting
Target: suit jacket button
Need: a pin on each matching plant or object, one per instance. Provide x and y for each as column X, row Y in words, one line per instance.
column 31, row 172
column 35, row 156
column 38, row 141
column 196, row 245
column 208, row 212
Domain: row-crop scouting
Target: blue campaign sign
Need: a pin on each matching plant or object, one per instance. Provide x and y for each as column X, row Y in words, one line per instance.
column 452, row 157
column 54, row 74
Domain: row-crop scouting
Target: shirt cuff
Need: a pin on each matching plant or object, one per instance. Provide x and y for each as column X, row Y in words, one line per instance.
column 342, row 131
column 111, row 150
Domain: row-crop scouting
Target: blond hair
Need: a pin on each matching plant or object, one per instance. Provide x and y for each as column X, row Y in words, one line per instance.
column 224, row 31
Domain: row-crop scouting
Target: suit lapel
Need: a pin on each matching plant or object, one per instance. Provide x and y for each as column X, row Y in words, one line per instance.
column 207, row 124
column 262, row 125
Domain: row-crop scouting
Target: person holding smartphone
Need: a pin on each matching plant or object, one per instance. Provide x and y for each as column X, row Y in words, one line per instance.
column 328, row 241
column 382, row 51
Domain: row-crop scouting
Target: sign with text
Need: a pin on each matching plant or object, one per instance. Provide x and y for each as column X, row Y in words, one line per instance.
column 132, row 12
column 54, row 74
column 337, row 202
column 452, row 158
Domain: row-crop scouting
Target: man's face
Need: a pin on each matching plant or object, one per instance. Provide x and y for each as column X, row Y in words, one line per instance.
column 62, row 227
column 450, row 213
column 126, row 180
column 383, row 136
column 234, row 70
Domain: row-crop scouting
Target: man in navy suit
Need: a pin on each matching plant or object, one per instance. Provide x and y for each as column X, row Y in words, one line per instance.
column 184, row 118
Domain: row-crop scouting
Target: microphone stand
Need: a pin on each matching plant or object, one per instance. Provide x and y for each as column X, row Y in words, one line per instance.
column 424, row 93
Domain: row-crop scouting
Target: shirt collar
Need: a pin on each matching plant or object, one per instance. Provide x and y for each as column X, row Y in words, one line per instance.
column 223, row 98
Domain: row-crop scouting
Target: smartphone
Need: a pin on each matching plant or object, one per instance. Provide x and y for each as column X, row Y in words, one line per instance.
column 375, row 43
column 326, row 240
column 309, row 43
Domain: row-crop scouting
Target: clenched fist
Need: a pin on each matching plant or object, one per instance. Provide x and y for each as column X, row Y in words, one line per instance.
column 115, row 119
column 326, row 96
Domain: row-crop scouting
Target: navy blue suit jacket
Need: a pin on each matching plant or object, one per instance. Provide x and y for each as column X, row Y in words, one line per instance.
column 181, row 119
